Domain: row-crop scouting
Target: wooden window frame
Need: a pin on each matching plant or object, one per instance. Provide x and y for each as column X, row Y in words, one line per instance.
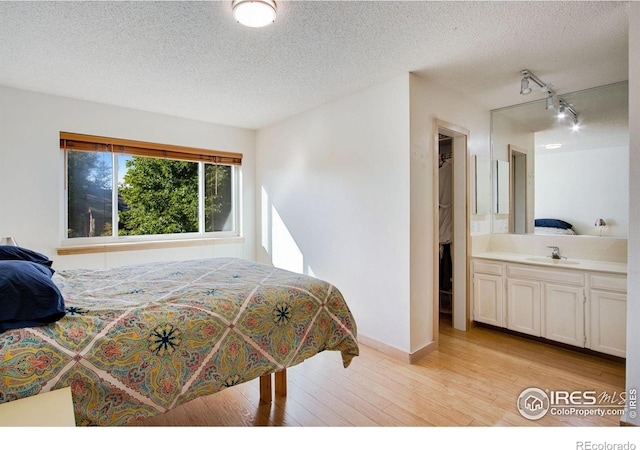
column 90, row 143
column 85, row 142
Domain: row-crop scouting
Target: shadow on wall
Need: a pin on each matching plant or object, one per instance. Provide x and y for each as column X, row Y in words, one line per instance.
column 278, row 243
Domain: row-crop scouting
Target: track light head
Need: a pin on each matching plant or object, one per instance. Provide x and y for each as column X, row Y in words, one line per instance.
column 524, row 86
column 550, row 103
column 561, row 111
column 576, row 125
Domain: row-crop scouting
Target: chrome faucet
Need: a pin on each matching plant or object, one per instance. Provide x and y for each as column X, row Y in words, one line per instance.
column 555, row 252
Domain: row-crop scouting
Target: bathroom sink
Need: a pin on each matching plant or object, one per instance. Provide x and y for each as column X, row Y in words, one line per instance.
column 560, row 262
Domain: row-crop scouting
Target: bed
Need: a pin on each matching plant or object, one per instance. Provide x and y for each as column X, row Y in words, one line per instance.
column 553, row 227
column 137, row 341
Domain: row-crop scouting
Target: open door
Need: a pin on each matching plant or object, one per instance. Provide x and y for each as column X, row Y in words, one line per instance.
column 518, row 201
column 459, row 249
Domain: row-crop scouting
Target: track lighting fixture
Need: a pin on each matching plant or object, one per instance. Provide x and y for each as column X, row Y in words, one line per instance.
column 565, row 108
column 552, row 100
column 575, row 126
column 549, row 103
column 524, row 86
column 527, row 76
column 561, row 112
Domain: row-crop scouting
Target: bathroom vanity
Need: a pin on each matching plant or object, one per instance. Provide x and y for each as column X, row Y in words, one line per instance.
column 582, row 303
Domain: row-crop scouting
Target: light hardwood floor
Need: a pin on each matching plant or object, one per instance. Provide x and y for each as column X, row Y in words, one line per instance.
column 473, row 379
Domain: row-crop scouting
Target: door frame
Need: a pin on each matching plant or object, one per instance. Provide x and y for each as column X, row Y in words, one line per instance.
column 515, row 181
column 461, row 270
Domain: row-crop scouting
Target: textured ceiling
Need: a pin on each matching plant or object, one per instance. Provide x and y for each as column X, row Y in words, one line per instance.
column 190, row 59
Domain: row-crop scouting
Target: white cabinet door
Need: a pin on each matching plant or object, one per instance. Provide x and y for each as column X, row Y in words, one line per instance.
column 523, row 306
column 608, row 322
column 487, row 299
column 563, row 314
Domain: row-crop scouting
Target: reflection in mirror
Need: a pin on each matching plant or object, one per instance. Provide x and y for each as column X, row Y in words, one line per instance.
column 518, row 190
column 482, row 177
column 501, row 187
column 571, row 176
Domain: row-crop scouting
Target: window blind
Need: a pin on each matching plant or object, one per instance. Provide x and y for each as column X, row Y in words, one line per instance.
column 88, row 143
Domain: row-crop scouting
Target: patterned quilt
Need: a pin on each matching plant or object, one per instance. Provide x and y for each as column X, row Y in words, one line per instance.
column 137, row 341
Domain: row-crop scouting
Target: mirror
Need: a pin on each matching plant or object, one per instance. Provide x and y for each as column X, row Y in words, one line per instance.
column 574, row 176
column 501, row 187
column 482, row 178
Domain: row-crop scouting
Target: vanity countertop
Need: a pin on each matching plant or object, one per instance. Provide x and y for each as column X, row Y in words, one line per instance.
column 569, row 263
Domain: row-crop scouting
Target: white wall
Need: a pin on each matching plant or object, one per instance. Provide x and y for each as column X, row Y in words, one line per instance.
column 633, row 277
column 31, row 180
column 345, row 193
column 333, row 201
column 577, row 186
column 429, row 102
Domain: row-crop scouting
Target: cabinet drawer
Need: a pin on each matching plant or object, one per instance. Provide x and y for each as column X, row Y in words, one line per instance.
column 608, row 282
column 487, row 267
column 548, row 275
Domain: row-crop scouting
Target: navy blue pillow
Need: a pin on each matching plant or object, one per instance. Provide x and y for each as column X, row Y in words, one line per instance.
column 13, row 253
column 28, row 295
column 553, row 223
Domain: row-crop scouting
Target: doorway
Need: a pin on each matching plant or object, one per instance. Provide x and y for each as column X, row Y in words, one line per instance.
column 452, row 259
column 518, row 203
column 445, row 213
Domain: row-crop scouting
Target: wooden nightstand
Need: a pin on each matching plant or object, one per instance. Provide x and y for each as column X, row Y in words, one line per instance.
column 49, row 409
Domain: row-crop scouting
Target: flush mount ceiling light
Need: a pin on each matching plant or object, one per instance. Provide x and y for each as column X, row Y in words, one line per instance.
column 564, row 108
column 254, row 13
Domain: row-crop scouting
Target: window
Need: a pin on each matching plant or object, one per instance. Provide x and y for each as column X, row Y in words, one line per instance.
column 119, row 189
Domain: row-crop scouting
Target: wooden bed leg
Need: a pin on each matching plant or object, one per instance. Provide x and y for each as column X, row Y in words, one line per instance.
column 265, row 388
column 281, row 382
